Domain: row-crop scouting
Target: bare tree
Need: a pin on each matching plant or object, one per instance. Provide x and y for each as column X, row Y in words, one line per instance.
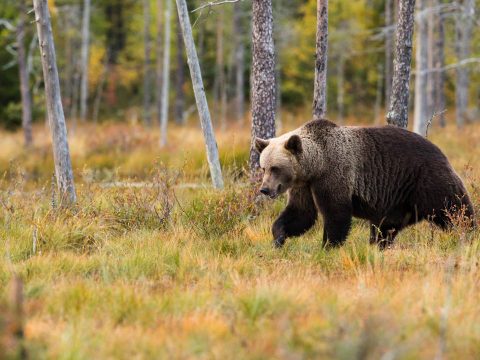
column 84, row 60
column 159, row 56
column 398, row 113
column 179, row 79
column 321, row 56
column 238, row 30
column 166, row 73
column 263, row 77
column 147, row 88
column 200, row 97
column 421, row 116
column 439, row 62
column 24, row 78
column 463, row 26
column 219, row 83
column 388, row 50
column 56, row 117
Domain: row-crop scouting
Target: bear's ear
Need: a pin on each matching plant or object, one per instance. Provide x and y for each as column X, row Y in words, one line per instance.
column 261, row 144
column 294, row 145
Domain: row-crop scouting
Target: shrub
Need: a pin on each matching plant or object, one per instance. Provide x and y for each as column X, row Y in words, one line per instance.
column 143, row 205
column 217, row 213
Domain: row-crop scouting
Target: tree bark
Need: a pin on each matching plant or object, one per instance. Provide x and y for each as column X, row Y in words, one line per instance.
column 263, row 77
column 239, row 62
column 420, row 117
column 85, row 60
column 180, row 79
column 439, row 62
column 24, row 78
column 398, row 113
column 388, row 51
column 321, row 56
column 200, row 97
column 147, row 88
column 56, row 117
column 166, row 73
column 463, row 25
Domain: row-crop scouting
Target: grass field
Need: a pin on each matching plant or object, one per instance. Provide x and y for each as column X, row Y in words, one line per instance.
column 153, row 263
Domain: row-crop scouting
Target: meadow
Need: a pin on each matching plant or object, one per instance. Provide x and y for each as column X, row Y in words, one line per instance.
column 154, row 263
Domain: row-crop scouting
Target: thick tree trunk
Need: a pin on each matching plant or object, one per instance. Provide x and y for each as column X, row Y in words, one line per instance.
column 398, row 113
column 439, row 62
column 200, row 97
column 420, row 117
column 180, row 79
column 56, row 117
column 263, row 77
column 166, row 73
column 147, row 88
column 24, row 78
column 85, row 60
column 464, row 22
column 388, row 51
column 238, row 30
column 159, row 56
column 321, row 56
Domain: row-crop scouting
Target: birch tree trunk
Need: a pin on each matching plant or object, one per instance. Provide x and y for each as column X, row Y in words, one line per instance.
column 388, row 51
column 463, row 25
column 56, row 117
column 263, row 77
column 239, row 62
column 147, row 88
column 24, row 78
column 439, row 62
column 321, row 56
column 179, row 79
column 219, row 86
column 85, row 60
column 431, row 76
column 159, row 56
column 200, row 97
column 166, row 73
column 398, row 113
column 420, row 117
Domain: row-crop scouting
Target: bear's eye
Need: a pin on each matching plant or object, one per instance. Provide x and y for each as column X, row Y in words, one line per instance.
column 274, row 169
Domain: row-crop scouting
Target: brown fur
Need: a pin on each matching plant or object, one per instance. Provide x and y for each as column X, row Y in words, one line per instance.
column 387, row 175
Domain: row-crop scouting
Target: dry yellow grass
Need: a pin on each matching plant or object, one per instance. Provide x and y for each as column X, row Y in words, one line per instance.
column 115, row 278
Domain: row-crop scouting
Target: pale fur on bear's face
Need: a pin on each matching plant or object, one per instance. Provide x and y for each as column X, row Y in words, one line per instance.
column 278, row 160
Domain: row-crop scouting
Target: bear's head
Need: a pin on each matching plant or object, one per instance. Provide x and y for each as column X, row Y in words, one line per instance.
column 279, row 160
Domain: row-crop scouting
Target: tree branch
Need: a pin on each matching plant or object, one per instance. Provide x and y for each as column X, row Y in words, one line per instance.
column 214, row 3
column 449, row 67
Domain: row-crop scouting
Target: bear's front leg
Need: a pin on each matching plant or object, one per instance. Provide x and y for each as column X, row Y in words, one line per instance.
column 337, row 226
column 337, row 217
column 298, row 217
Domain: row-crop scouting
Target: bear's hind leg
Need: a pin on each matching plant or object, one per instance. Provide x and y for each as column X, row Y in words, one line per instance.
column 297, row 218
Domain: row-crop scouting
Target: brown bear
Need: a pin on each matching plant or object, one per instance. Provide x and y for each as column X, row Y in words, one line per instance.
column 387, row 175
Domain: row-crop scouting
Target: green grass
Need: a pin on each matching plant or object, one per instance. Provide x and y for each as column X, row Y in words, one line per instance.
column 160, row 270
